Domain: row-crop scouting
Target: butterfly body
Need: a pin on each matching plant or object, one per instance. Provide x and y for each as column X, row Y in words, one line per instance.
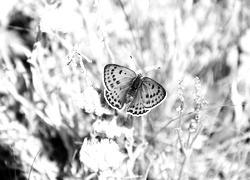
column 135, row 85
column 124, row 86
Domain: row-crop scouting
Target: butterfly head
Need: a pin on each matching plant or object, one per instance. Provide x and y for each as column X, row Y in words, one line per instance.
column 136, row 81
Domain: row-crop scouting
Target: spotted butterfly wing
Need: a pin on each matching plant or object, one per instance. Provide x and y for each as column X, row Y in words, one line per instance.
column 136, row 107
column 153, row 93
column 149, row 95
column 117, row 80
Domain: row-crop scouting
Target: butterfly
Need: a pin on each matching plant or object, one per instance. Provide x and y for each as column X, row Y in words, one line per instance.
column 124, row 87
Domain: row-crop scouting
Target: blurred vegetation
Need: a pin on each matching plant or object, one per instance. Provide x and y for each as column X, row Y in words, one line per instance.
column 52, row 51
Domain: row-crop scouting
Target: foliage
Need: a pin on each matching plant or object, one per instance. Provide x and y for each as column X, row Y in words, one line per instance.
column 56, row 124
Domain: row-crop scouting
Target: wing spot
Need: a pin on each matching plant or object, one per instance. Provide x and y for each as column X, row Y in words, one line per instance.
column 112, row 85
column 147, row 95
column 150, row 96
column 153, row 86
column 118, row 82
column 117, row 105
column 120, row 71
column 152, row 101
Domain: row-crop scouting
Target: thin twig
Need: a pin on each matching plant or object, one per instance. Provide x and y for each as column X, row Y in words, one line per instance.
column 31, row 168
column 180, row 140
column 178, row 127
column 188, row 151
column 183, row 164
column 189, row 135
column 196, row 135
column 130, row 25
column 103, row 32
column 147, row 171
column 107, row 46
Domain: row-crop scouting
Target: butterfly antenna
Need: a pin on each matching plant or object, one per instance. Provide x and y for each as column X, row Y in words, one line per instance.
column 147, row 69
column 131, row 57
column 136, row 66
column 151, row 68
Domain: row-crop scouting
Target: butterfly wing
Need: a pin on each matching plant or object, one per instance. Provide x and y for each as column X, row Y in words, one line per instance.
column 136, row 107
column 149, row 95
column 117, row 77
column 153, row 93
column 116, row 98
column 117, row 80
